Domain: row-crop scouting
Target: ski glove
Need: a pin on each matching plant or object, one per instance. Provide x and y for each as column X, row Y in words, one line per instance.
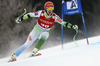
column 18, row 20
column 75, row 27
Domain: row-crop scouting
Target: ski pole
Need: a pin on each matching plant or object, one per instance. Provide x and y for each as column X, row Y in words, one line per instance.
column 20, row 16
column 23, row 13
column 75, row 37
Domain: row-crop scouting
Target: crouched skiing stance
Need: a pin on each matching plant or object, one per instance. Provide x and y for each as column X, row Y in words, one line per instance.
column 46, row 19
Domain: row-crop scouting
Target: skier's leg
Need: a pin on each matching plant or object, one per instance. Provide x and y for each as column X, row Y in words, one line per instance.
column 31, row 38
column 43, row 36
column 42, row 39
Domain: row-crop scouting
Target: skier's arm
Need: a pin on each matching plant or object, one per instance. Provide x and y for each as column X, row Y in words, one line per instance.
column 65, row 24
column 28, row 15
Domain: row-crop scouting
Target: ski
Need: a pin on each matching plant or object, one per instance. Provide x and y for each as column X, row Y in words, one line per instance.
column 12, row 60
column 33, row 55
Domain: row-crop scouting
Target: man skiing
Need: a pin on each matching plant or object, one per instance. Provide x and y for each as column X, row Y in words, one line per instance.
column 46, row 19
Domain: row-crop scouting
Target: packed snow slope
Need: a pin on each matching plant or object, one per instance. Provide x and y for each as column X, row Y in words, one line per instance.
column 71, row 55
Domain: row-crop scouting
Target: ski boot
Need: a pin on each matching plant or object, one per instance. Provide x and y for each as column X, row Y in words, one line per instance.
column 34, row 53
column 13, row 58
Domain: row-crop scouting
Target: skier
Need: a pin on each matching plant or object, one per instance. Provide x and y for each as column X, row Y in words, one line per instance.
column 46, row 19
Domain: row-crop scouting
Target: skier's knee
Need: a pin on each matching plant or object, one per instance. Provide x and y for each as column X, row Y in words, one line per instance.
column 44, row 35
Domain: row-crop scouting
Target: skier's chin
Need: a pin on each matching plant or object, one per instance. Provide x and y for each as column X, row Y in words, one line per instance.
column 49, row 12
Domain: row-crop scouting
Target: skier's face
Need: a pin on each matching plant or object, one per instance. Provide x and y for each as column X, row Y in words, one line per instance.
column 49, row 12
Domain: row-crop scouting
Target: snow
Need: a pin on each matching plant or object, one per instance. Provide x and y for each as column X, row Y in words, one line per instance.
column 85, row 55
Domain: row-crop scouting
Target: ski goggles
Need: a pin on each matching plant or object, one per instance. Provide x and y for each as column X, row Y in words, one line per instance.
column 49, row 8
